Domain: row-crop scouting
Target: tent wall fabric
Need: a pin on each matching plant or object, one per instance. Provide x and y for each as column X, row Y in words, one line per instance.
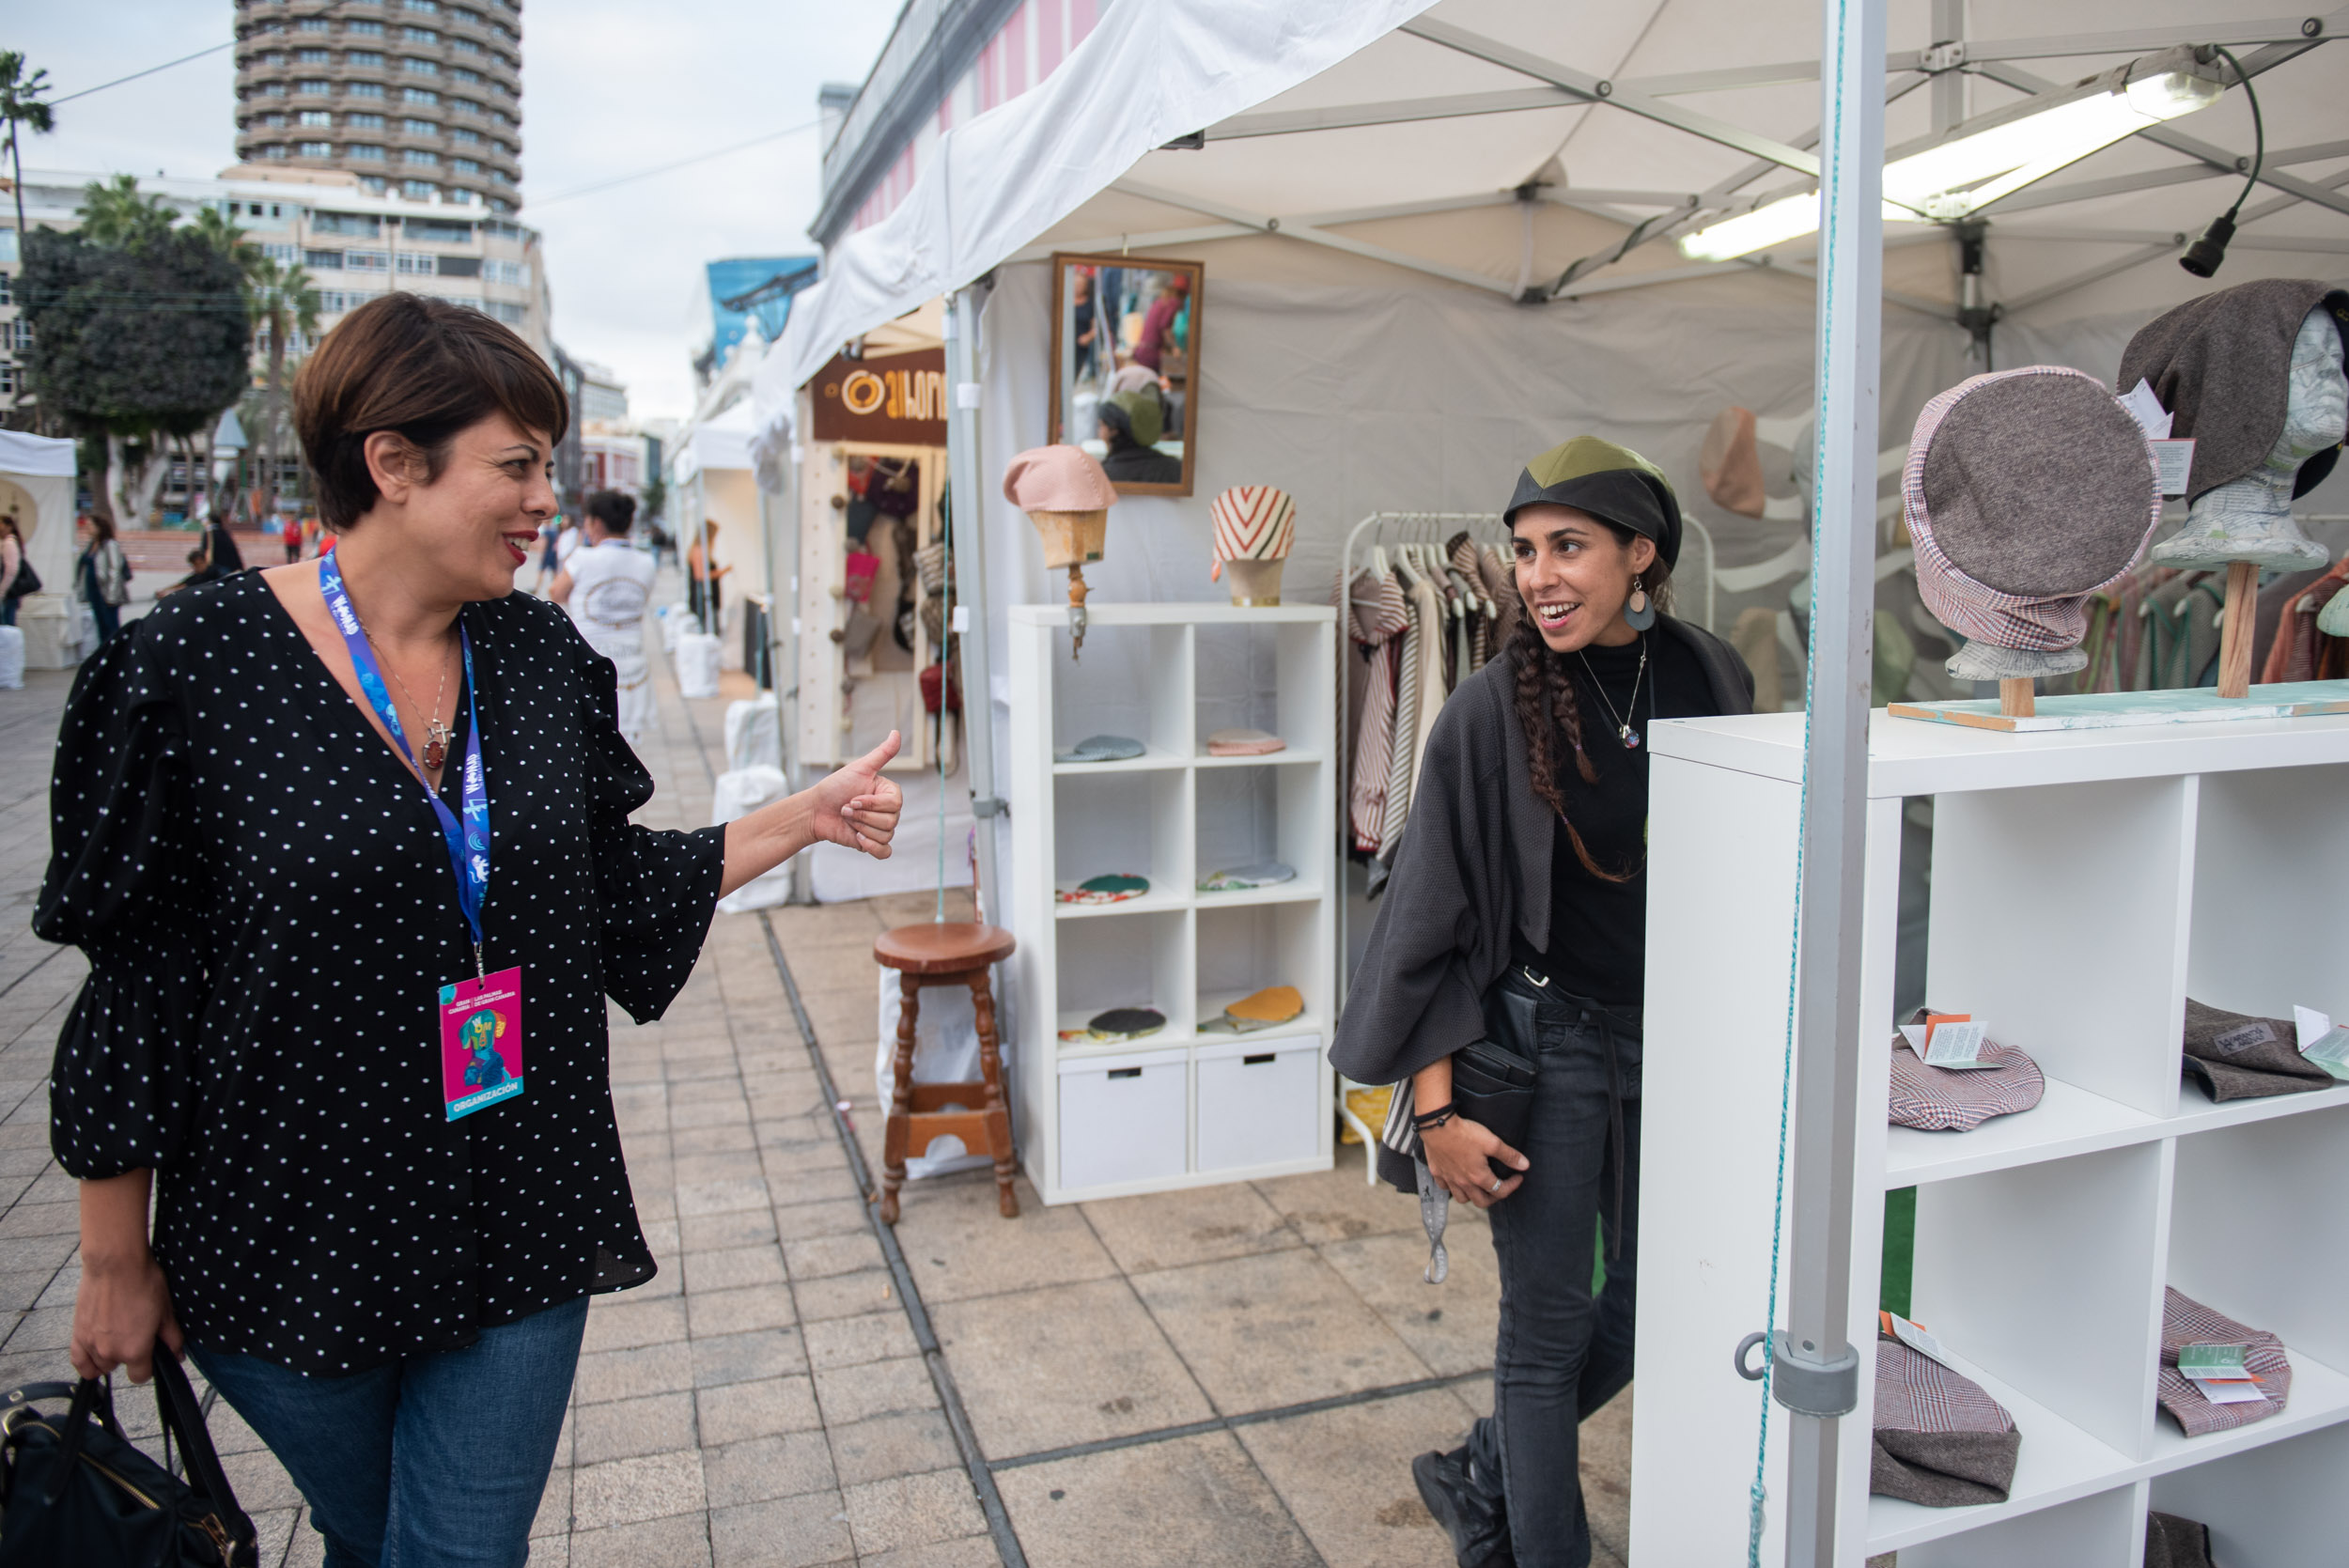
column 41, row 471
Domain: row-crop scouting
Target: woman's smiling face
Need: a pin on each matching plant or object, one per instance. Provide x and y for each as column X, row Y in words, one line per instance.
column 1575, row 574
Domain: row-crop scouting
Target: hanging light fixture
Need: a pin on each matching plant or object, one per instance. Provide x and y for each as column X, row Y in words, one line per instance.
column 1996, row 154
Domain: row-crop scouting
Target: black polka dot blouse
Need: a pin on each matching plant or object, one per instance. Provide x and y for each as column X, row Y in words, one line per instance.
column 267, row 905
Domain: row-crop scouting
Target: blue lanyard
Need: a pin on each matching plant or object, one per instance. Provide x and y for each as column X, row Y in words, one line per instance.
column 468, row 841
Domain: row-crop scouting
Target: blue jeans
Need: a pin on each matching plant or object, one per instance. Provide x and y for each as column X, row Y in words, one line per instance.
column 1563, row 1351
column 434, row 1461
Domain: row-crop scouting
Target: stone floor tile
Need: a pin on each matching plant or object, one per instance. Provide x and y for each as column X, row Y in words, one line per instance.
column 720, row 1165
column 718, row 1197
column 260, row 1481
column 816, row 1186
column 732, row 1267
column 630, row 1491
column 1170, row 1230
column 834, row 1217
column 971, row 1551
column 41, row 1219
column 681, row 1541
column 848, row 1341
column 747, row 1357
column 1065, row 1364
column 788, row 1532
column 1338, row 1206
column 273, row 1531
column 913, row 1511
column 820, row 1257
column 910, row 1442
column 1206, row 1503
column 624, row 1428
column 734, row 1312
column 706, row 1140
column 1606, row 1454
column 21, row 1288
column 733, row 1411
column 307, row 1549
column 626, row 1323
column 958, row 1245
column 50, row 1329
column 1278, row 1328
column 655, row 1369
column 1451, row 1325
column 710, row 1233
column 784, row 1465
column 1345, row 1475
column 555, row 1508
column 876, row 1388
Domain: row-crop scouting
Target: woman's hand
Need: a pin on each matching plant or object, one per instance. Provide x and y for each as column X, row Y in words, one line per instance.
column 122, row 1304
column 857, row 806
column 1456, row 1153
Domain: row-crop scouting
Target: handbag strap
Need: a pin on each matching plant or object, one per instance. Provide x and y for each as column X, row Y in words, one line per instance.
column 175, row 1401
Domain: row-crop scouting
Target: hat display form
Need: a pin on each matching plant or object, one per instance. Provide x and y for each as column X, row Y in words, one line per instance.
column 2254, row 374
column 1255, row 526
column 2026, row 492
column 1068, row 496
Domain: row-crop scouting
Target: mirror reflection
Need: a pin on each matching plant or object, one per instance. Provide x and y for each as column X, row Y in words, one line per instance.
column 1125, row 363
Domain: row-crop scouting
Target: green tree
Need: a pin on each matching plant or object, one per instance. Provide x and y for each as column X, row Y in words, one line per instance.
column 218, row 230
column 116, row 213
column 21, row 105
column 654, row 495
column 283, row 306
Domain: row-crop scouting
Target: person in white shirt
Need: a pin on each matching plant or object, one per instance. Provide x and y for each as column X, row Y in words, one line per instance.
column 605, row 584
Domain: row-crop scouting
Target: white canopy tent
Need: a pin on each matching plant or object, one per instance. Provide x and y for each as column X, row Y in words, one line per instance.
column 1439, row 238
column 37, row 489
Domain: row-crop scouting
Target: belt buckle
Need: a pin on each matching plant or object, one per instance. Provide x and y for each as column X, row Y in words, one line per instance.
column 1542, row 981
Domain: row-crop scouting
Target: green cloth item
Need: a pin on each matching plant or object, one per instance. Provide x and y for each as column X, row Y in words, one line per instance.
column 1112, row 888
column 1126, row 1023
column 1101, row 748
column 1257, row 874
column 1611, row 483
column 1139, row 414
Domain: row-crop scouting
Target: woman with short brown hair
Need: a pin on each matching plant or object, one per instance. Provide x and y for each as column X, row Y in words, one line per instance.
column 346, row 844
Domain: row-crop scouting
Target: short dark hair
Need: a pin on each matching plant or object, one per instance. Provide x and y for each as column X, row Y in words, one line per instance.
column 422, row 368
column 615, row 509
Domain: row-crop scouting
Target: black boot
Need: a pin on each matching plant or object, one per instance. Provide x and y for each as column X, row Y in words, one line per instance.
column 1478, row 1525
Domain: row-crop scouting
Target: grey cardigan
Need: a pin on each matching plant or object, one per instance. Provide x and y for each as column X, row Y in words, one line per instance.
column 1474, row 863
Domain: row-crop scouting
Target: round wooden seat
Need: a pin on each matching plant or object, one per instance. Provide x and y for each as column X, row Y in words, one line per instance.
column 950, row 948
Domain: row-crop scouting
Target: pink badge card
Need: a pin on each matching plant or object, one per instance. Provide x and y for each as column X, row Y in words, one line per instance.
column 481, row 1042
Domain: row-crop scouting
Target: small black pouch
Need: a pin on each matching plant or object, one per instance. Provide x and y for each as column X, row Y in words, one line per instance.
column 1492, row 1078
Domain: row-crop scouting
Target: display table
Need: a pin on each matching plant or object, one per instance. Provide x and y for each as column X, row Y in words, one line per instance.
column 1185, row 1106
column 2085, row 883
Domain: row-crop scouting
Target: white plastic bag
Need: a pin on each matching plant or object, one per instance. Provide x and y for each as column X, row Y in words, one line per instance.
column 697, row 664
column 677, row 621
column 753, row 734
column 945, row 1050
column 738, row 794
column 11, row 658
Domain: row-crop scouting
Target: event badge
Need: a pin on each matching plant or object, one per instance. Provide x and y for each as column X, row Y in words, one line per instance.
column 481, row 1042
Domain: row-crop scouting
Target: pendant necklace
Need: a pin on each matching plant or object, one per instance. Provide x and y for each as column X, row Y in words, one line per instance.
column 436, row 734
column 1623, row 732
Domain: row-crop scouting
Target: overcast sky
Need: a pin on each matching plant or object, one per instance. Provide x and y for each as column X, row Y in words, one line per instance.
column 608, row 87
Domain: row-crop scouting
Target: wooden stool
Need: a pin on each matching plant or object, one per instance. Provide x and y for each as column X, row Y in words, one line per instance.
column 956, row 953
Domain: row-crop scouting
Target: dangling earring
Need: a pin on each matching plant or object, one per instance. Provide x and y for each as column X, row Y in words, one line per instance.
column 1638, row 611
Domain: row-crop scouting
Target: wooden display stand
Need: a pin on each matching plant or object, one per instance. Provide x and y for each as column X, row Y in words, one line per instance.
column 1180, row 1107
column 2085, row 883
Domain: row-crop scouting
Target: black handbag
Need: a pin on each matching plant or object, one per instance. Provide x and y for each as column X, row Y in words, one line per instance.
column 74, row 1490
column 1492, row 1078
column 26, row 581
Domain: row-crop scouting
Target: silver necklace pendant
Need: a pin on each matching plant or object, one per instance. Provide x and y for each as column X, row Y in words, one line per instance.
column 436, row 738
column 1629, row 736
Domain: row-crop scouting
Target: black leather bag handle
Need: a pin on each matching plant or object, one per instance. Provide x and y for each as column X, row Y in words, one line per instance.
column 175, row 1401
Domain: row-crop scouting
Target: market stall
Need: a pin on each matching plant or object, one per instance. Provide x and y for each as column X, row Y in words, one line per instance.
column 37, row 489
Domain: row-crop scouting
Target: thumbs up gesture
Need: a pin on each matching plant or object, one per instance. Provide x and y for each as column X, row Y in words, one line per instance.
column 857, row 806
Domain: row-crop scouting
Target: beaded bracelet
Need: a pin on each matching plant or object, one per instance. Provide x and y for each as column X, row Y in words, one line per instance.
column 1431, row 1119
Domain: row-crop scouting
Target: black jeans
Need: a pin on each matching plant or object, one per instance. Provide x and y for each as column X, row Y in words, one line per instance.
column 1564, row 1352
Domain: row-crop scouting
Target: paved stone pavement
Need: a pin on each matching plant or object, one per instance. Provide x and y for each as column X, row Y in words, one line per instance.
column 1238, row 1374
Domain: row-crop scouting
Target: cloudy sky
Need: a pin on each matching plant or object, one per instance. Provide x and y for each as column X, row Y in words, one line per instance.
column 608, row 87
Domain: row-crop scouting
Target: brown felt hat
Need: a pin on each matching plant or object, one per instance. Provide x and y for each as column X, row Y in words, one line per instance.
column 1729, row 463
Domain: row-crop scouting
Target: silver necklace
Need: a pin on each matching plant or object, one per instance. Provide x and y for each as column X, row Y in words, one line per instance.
column 436, row 734
column 1623, row 732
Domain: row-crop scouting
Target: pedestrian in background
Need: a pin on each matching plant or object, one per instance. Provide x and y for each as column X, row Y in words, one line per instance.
column 14, row 584
column 606, row 586
column 291, row 534
column 291, row 981
column 702, row 573
column 101, row 575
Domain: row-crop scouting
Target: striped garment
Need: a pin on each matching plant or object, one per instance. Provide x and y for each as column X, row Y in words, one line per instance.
column 1403, row 758
column 1254, row 522
column 2186, row 1321
column 1375, row 606
column 1943, row 1099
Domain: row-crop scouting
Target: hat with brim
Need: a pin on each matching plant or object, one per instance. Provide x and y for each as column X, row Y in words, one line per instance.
column 1610, row 483
column 1135, row 416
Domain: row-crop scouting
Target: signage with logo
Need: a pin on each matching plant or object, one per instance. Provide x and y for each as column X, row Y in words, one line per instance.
column 900, row 399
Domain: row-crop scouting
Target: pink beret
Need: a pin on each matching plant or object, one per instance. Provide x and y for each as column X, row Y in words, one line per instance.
column 1058, row 479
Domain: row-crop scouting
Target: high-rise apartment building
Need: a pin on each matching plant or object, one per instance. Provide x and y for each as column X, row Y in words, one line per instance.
column 420, row 98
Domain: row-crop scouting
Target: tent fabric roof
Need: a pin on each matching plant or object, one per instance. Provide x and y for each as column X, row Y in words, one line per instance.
column 1406, row 133
column 35, row 456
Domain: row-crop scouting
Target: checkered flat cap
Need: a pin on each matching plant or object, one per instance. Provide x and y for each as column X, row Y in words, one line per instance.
column 2186, row 1321
column 1949, row 1099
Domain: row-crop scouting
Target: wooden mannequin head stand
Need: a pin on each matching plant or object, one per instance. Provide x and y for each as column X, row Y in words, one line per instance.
column 1071, row 539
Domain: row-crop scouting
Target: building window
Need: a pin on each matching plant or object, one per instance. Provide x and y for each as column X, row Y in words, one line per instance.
column 418, row 189
column 418, row 67
column 418, row 263
column 439, row 231
column 18, row 334
column 318, row 149
column 275, row 149
column 469, row 19
column 271, row 89
column 272, row 122
column 501, row 177
column 499, row 203
column 364, row 122
column 374, row 184
column 426, row 5
column 282, row 254
column 419, row 94
column 9, row 385
column 363, row 226
column 463, row 198
column 275, row 57
column 313, row 86
column 464, row 166
column 370, row 58
column 465, row 44
column 364, row 29
column 363, row 90
column 313, row 58
column 419, row 156
column 364, row 151
column 318, row 117
column 420, row 35
column 314, row 25
column 515, row 275
column 461, row 74
column 464, row 106
column 420, row 128
column 460, row 133
column 8, row 290
column 331, row 261
column 368, row 261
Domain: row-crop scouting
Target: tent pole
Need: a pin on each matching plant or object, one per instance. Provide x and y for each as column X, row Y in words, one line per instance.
column 1815, row 1368
column 965, row 501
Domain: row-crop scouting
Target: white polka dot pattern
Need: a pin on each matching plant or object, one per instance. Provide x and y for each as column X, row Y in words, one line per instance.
column 268, row 909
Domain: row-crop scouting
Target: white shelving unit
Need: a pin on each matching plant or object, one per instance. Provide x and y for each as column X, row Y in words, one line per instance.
column 2084, row 884
column 1179, row 1107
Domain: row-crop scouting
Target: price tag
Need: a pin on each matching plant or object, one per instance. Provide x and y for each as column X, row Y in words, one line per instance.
column 2217, row 1372
column 2145, row 408
column 1914, row 1336
column 2174, row 462
column 1952, row 1040
column 2321, row 1042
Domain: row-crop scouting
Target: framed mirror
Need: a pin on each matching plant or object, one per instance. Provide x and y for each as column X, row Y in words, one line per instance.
column 1125, row 336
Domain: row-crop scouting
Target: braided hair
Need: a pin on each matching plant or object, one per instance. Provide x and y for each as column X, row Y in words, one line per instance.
column 1548, row 709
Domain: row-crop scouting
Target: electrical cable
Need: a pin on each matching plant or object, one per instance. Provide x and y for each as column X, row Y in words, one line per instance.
column 148, row 71
column 2204, row 256
column 665, row 168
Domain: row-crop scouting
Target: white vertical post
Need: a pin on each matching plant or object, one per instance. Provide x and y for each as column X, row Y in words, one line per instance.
column 969, row 587
column 1812, row 1358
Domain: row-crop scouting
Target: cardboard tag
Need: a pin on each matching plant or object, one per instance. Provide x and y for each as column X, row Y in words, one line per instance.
column 2217, row 1372
column 1952, row 1040
column 2321, row 1042
column 2174, row 462
column 1914, row 1336
column 2145, row 408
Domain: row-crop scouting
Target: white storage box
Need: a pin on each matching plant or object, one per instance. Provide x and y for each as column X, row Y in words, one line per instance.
column 1123, row 1118
column 1260, row 1102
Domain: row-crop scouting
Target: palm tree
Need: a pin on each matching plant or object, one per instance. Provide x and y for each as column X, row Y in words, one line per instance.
column 283, row 304
column 21, row 105
column 218, row 230
column 118, row 214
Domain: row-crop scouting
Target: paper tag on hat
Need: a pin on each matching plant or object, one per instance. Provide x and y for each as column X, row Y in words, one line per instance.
column 1952, row 1040
column 1914, row 1336
column 2174, row 459
column 2321, row 1042
column 2145, row 408
column 2217, row 1372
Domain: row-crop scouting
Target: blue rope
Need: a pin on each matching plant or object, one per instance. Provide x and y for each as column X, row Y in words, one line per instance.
column 1831, row 142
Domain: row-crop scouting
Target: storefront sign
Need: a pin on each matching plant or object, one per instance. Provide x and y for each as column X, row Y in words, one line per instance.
column 900, row 399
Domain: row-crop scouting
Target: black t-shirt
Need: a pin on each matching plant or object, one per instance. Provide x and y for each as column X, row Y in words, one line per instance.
column 1598, row 929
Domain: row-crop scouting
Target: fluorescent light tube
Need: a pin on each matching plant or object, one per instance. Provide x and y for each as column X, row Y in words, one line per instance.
column 2002, row 154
